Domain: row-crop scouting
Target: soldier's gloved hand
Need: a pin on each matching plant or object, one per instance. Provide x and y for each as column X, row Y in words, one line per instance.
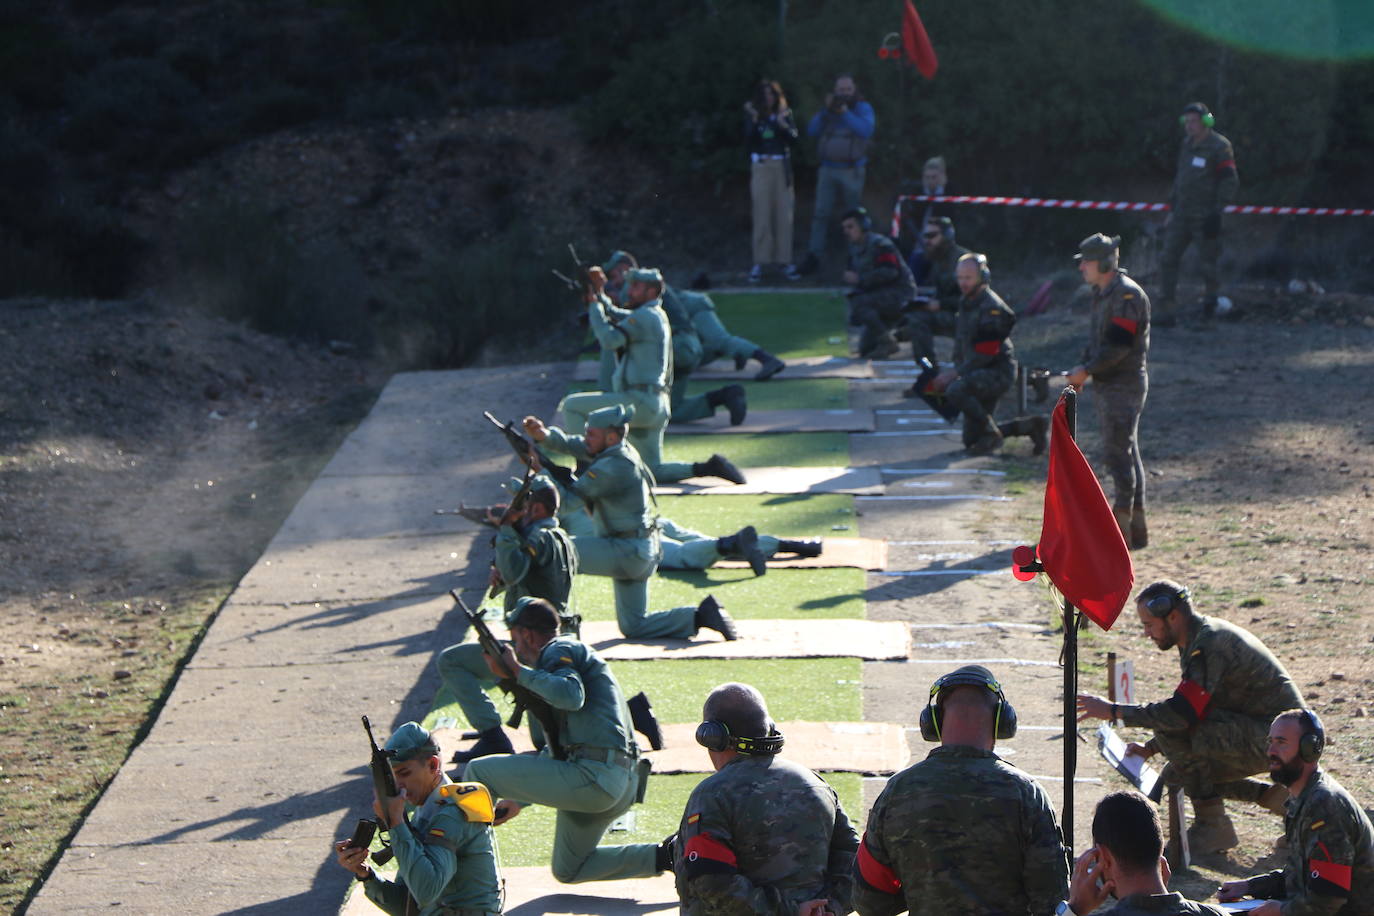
column 1211, row 226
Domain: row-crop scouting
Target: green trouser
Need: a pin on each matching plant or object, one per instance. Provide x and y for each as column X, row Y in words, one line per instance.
column 1216, row 756
column 922, row 326
column 1119, row 404
column 466, row 675
column 976, row 396
column 684, row 408
column 646, row 427
column 717, row 342
column 684, row 548
column 1182, row 229
column 629, row 562
column 588, row 794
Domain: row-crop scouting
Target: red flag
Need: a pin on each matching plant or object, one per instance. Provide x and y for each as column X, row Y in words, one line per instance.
column 917, row 43
column 1080, row 544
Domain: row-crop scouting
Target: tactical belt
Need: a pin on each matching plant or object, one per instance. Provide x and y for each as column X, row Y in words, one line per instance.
column 636, row 533
column 601, row 755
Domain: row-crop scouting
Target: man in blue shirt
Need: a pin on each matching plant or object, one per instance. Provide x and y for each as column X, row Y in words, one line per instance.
column 842, row 131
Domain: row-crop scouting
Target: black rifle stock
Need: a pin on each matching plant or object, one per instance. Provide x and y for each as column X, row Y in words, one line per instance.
column 525, row 699
column 517, row 503
column 383, row 785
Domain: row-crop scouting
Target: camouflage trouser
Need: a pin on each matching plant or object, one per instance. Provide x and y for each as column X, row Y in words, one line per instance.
column 1215, row 758
column 1118, row 418
column 1182, row 229
column 877, row 311
column 923, row 326
column 976, row 396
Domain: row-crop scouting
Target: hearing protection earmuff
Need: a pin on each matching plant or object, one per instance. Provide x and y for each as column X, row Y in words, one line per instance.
column 714, row 735
column 1313, row 740
column 1162, row 606
column 984, row 273
column 973, row 676
column 946, row 226
column 1199, row 109
column 861, row 215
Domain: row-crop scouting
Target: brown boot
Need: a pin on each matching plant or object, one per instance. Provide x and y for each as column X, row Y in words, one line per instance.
column 1140, row 535
column 1123, row 521
column 1212, row 830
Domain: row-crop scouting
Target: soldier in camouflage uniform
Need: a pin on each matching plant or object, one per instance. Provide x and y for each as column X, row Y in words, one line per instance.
column 1126, row 861
column 762, row 835
column 962, row 832
column 1330, row 843
column 1115, row 361
column 618, row 488
column 882, row 285
column 984, row 363
column 936, row 316
column 1204, row 185
column 640, row 338
column 1214, row 727
column 535, row 558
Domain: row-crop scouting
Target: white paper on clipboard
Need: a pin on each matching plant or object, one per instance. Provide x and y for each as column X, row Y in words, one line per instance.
column 1143, row 776
column 1243, row 906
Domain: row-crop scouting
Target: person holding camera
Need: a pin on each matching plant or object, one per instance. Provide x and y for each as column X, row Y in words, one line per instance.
column 770, row 132
column 444, row 854
column 843, row 130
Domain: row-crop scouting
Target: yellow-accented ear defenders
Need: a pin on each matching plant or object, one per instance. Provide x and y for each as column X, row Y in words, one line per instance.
column 714, row 735
column 1163, row 605
column 972, row 676
column 1313, row 740
column 860, row 215
column 1200, row 109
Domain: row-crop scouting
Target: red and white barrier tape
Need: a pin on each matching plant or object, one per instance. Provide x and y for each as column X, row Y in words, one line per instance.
column 1108, row 205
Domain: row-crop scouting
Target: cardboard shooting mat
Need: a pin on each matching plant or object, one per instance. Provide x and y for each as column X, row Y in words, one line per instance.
column 860, row 553
column 875, row 640
column 798, row 367
column 796, row 420
column 783, row 480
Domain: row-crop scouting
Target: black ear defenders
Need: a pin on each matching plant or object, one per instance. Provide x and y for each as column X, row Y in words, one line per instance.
column 714, row 735
column 984, row 273
column 1313, row 740
column 1208, row 120
column 1162, row 605
column 860, row 215
column 946, row 226
column 973, row 676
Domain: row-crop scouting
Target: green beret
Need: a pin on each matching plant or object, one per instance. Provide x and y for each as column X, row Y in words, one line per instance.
column 607, row 417
column 618, row 257
column 644, row 275
column 534, row 614
column 1097, row 247
column 411, row 742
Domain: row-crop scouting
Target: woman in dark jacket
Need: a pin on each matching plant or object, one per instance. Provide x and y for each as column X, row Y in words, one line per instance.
column 769, row 132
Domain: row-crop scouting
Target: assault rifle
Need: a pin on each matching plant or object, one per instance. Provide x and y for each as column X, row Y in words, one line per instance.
column 580, row 281
column 525, row 699
column 383, row 784
column 517, row 504
column 524, row 448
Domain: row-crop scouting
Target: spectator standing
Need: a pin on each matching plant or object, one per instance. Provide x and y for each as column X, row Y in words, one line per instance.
column 770, row 132
column 843, row 129
column 934, row 183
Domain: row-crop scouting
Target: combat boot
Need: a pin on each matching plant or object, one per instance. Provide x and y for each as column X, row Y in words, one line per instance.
column 881, row 348
column 1140, row 534
column 987, row 443
column 744, row 545
column 802, row 548
column 769, row 365
column 1212, row 830
column 491, row 741
column 711, row 616
column 718, row 466
column 733, row 399
column 1036, row 428
column 1123, row 521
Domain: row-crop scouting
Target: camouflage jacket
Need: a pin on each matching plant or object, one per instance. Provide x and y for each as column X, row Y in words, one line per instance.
column 1162, row 905
column 1120, row 331
column 1224, row 667
column 879, row 264
column 1330, row 854
column 961, row 832
column 762, row 836
column 1206, row 179
column 941, row 276
column 538, row 561
column 982, row 331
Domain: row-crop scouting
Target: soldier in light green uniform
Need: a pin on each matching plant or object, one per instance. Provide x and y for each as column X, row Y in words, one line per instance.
column 1214, row 727
column 935, row 315
column 618, row 490
column 962, row 831
column 1205, row 184
column 601, row 777
column 762, row 835
column 640, row 337
column 1330, row 843
column 444, row 856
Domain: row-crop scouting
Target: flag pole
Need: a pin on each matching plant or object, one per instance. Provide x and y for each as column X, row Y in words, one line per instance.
column 1070, row 618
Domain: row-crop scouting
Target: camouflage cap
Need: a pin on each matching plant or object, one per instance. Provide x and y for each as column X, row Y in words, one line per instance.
column 644, row 275
column 534, row 614
column 411, row 742
column 607, row 417
column 619, row 257
column 1097, row 247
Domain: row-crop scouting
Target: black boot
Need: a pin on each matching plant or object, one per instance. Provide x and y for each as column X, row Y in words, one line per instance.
column 733, row 398
column 1037, row 428
column 491, row 741
column 769, row 365
column 744, row 545
column 711, row 616
column 644, row 721
column 718, row 466
column 802, row 548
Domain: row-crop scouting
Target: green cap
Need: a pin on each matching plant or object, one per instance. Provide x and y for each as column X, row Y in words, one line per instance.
column 644, row 275
column 533, row 613
column 540, row 482
column 411, row 742
column 1097, row 247
column 618, row 257
column 615, row 415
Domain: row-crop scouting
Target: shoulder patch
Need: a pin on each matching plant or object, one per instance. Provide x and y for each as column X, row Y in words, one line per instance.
column 1316, row 824
column 693, row 818
column 473, row 799
column 592, row 474
column 1128, row 295
column 1195, row 652
column 435, row 831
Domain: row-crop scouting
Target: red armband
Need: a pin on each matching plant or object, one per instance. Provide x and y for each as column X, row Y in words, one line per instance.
column 1329, row 879
column 888, row 258
column 706, row 855
column 875, row 874
column 1192, row 700
column 1225, row 164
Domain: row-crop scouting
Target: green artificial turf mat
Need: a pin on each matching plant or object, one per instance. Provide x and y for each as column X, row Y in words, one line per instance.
column 792, row 594
column 788, row 325
column 528, row 839
column 811, row 689
column 761, row 450
column 784, row 394
column 784, row 515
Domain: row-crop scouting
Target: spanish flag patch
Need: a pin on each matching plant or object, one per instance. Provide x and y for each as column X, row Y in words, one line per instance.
column 1317, row 824
column 592, row 474
column 693, row 818
column 435, row 831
